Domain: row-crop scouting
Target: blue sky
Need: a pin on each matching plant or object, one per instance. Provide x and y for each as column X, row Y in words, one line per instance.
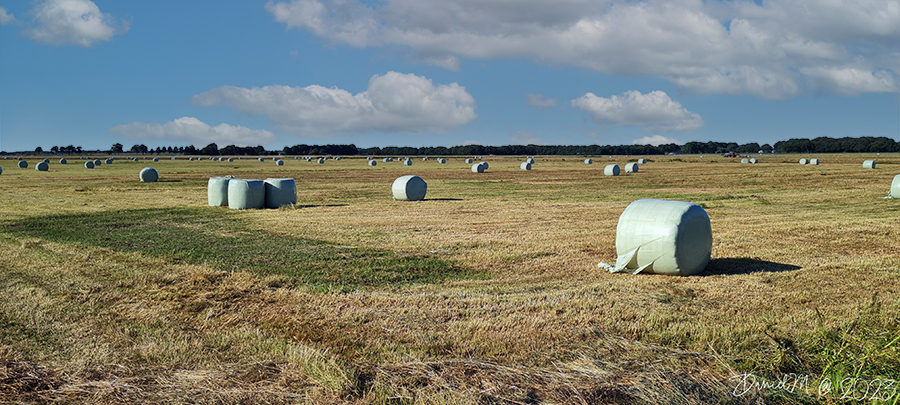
column 444, row 72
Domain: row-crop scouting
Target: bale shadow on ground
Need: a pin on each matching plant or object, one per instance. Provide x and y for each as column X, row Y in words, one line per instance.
column 744, row 265
column 442, row 199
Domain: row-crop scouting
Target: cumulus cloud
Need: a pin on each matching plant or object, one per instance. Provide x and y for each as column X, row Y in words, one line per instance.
column 656, row 140
column 73, row 22
column 192, row 130
column 735, row 47
column 538, row 100
column 6, row 18
column 849, row 81
column 654, row 112
column 393, row 102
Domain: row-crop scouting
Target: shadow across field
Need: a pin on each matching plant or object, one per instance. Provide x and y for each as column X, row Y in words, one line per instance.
column 744, row 265
column 221, row 239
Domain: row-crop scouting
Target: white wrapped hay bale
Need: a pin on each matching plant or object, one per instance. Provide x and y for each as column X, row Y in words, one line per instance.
column 745, row 160
column 109, row 161
column 525, row 166
column 217, row 191
column 663, row 237
column 42, row 166
column 631, row 167
column 895, row 187
column 442, row 161
column 246, row 194
column 814, row 161
column 63, row 161
column 46, row 160
column 174, row 158
column 530, row 160
column 156, row 159
column 385, row 160
column 869, row 164
column 407, row 162
column 409, row 188
column 97, row 162
column 321, row 161
column 754, row 160
column 22, row 164
column 589, row 161
column 280, row 192
column 479, row 167
column 611, row 170
column 149, row 175
column 89, row 164
column 230, row 160
column 279, row 162
column 469, row 161
column 261, row 159
column 372, row 163
column 804, row 161
column 644, row 161
column 425, row 159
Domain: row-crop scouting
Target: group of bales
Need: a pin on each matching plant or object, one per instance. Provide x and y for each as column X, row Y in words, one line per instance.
column 242, row 194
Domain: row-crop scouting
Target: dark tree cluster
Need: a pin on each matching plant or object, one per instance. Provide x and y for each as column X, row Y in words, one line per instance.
column 838, row 145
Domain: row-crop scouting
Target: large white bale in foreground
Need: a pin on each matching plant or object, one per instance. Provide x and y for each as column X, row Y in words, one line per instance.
column 663, row 237
column 525, row 166
column 895, row 187
column 478, row 167
column 409, row 188
column 246, row 194
column 217, row 191
column 631, row 168
column 149, row 175
column 611, row 170
column 280, row 192
column 869, row 164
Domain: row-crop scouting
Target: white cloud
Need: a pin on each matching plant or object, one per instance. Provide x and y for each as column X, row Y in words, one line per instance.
column 538, row 100
column 734, row 47
column 850, row 81
column 6, row 18
column 656, row 140
column 192, row 130
column 523, row 137
column 73, row 22
column 394, row 102
column 654, row 111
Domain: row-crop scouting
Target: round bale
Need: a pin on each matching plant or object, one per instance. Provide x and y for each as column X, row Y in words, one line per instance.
column 589, row 161
column 469, row 161
column 89, row 164
column 22, row 164
column 174, row 158
column 42, row 166
column 47, row 161
column 611, row 170
column 895, row 187
column 478, row 168
column 321, row 161
column 804, row 161
column 385, row 160
column 663, row 237
column 409, row 188
column 407, row 162
column 754, row 160
column 372, row 163
column 230, row 160
column 280, row 192
column 149, row 175
column 745, row 160
column 156, row 159
column 869, row 164
column 643, row 161
column 279, row 162
column 217, row 191
column 525, row 166
column 425, row 159
column 530, row 160
column 246, row 194
column 631, row 168
column 97, row 162
column 814, row 161
column 261, row 159
column 63, row 161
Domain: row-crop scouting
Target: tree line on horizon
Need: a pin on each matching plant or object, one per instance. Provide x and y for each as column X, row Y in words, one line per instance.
column 798, row 145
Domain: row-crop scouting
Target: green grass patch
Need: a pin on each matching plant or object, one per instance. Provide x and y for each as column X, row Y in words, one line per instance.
column 218, row 238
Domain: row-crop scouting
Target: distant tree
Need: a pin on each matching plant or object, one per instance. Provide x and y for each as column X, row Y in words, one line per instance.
column 211, row 149
column 39, row 150
column 766, row 148
column 54, row 149
column 116, row 148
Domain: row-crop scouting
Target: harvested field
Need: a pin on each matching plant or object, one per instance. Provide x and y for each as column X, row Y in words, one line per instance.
column 487, row 292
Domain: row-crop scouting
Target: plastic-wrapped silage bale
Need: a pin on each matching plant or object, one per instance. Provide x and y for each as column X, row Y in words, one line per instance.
column 611, row 170
column 230, row 160
column 321, row 161
column 814, row 161
column 22, row 164
column 663, row 237
column 63, row 161
column 156, row 159
column 372, row 163
column 385, row 160
column 279, row 162
column 589, row 161
column 525, row 166
column 261, row 159
column 631, row 167
column 469, row 161
column 47, row 161
column 149, row 175
column 217, row 191
column 97, row 162
column 246, row 194
column 89, row 164
column 478, row 168
column 804, row 161
column 280, row 192
column 530, row 160
column 745, row 160
column 754, row 160
column 174, row 158
column 407, row 162
column 644, row 161
column 869, row 164
column 409, row 188
column 42, row 166
column 895, row 187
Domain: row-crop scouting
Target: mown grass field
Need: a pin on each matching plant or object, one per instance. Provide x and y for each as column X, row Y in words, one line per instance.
column 487, row 292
